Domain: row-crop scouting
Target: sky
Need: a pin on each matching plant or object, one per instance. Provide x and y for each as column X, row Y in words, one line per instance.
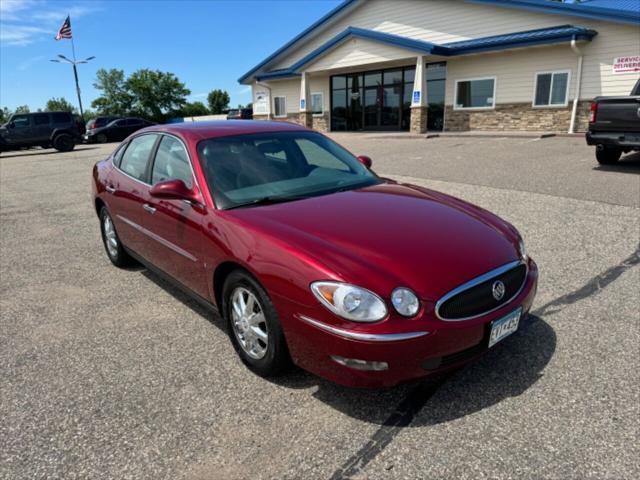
column 208, row 44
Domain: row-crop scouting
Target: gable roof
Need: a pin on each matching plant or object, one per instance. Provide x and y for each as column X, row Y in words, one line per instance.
column 617, row 11
column 542, row 36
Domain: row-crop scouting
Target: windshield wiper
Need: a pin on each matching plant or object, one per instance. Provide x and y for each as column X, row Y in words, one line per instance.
column 268, row 200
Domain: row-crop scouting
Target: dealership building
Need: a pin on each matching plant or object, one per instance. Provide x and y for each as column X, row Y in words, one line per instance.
column 453, row 65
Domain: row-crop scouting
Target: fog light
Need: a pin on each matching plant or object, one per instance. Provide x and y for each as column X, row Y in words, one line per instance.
column 360, row 364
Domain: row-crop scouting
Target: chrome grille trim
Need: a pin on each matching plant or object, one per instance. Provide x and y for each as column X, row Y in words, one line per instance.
column 477, row 281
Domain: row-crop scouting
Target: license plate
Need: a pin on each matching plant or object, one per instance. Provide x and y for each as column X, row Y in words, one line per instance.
column 505, row 326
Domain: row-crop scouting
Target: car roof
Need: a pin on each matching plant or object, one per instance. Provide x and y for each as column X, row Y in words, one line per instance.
column 223, row 128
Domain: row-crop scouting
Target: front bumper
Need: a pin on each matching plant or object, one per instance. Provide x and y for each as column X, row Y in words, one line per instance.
column 447, row 345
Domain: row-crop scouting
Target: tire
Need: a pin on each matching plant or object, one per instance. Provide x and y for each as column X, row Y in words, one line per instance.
column 64, row 142
column 608, row 155
column 270, row 357
column 101, row 138
column 112, row 245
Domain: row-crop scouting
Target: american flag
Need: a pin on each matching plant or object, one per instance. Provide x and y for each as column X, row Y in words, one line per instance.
column 65, row 30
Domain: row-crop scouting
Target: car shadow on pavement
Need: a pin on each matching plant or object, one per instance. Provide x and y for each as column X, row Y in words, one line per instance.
column 506, row 371
column 207, row 313
column 629, row 163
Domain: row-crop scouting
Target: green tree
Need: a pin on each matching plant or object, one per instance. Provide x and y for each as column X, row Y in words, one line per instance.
column 22, row 109
column 5, row 113
column 218, row 101
column 115, row 98
column 59, row 104
column 156, row 94
column 194, row 109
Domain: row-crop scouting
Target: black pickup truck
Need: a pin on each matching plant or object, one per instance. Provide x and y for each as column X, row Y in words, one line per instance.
column 614, row 126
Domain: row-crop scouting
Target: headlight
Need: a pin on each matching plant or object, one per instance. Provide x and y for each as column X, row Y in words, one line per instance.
column 522, row 251
column 405, row 302
column 350, row 302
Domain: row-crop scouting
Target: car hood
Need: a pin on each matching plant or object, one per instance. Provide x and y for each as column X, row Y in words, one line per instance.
column 390, row 235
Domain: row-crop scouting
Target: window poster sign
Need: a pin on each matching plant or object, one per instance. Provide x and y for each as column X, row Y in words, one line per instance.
column 626, row 64
column 260, row 101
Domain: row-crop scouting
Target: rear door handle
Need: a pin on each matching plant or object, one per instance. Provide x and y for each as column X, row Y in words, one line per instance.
column 110, row 189
column 149, row 208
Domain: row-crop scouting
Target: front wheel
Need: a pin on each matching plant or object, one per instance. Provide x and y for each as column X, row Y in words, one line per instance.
column 101, row 138
column 253, row 324
column 115, row 251
column 608, row 155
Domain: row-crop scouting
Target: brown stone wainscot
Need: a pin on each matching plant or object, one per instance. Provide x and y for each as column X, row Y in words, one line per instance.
column 517, row 116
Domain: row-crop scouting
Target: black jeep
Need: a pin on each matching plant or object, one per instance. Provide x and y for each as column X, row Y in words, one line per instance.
column 44, row 129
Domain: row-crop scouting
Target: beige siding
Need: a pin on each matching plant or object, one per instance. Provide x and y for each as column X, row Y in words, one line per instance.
column 357, row 51
column 514, row 71
column 320, row 85
column 289, row 89
column 442, row 21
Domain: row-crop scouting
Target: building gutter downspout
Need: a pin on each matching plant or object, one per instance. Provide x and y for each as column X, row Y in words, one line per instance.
column 576, row 97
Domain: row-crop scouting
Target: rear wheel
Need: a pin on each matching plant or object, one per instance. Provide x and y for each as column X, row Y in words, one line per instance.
column 253, row 324
column 115, row 251
column 608, row 155
column 64, row 142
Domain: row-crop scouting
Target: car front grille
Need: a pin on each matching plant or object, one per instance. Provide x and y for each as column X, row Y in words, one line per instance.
column 475, row 298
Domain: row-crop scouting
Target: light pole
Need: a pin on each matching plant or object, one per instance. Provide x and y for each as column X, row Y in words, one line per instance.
column 75, row 75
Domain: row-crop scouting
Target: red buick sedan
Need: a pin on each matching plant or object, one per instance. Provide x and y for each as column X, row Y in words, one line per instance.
column 311, row 257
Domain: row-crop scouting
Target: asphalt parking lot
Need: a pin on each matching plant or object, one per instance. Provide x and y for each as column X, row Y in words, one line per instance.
column 111, row 373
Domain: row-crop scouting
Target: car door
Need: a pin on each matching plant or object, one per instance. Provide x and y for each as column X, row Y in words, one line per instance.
column 41, row 130
column 128, row 187
column 176, row 225
column 133, row 125
column 117, row 131
column 19, row 130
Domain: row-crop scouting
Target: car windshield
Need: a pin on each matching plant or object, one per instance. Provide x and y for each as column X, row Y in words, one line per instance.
column 262, row 168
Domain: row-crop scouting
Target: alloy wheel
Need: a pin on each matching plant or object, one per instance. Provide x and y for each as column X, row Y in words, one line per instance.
column 111, row 239
column 249, row 323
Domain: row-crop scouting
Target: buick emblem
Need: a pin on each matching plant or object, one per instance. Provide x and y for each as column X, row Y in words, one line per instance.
column 498, row 290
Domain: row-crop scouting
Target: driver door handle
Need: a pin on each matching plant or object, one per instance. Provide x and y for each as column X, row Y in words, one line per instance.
column 149, row 208
column 110, row 189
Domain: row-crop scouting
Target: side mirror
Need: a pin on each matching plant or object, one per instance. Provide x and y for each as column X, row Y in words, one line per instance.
column 11, row 125
column 366, row 161
column 175, row 190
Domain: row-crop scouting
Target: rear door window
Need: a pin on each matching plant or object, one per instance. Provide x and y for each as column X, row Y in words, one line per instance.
column 136, row 156
column 61, row 117
column 41, row 119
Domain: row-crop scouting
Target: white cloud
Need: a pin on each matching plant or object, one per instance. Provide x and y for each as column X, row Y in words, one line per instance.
column 25, row 64
column 26, row 21
column 20, row 35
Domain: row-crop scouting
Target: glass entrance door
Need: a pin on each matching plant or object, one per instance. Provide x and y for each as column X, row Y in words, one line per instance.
column 436, row 80
column 373, row 100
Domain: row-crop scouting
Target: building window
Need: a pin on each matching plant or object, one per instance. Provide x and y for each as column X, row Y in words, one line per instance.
column 317, row 103
column 280, row 107
column 552, row 89
column 475, row 94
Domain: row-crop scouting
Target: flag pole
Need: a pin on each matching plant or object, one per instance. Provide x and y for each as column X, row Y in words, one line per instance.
column 75, row 74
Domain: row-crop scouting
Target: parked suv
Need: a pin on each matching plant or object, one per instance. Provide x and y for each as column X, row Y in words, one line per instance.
column 45, row 129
